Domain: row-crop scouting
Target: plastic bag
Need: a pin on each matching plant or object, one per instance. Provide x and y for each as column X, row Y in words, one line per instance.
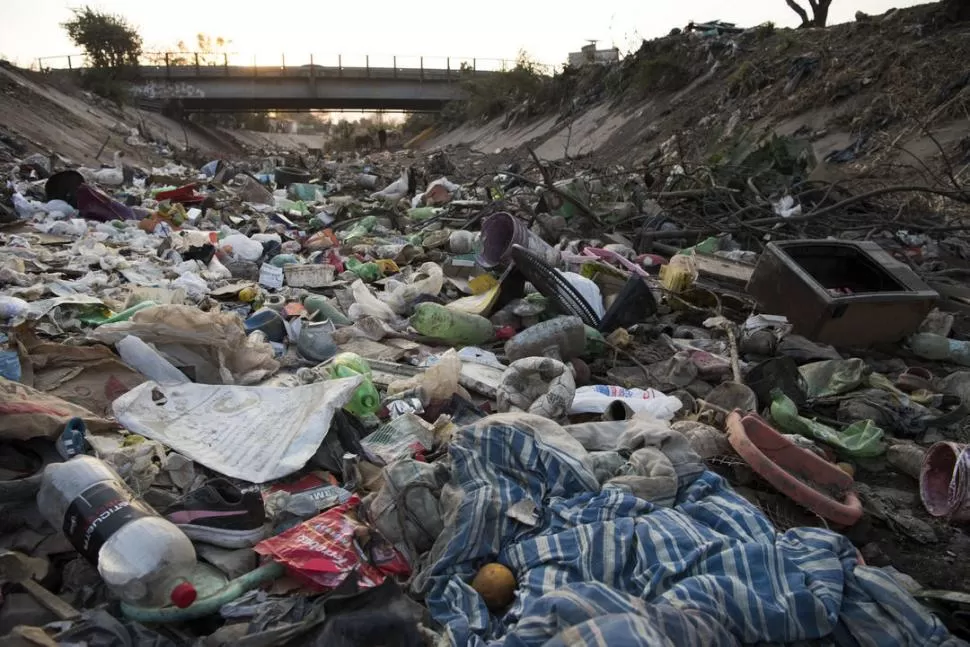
column 211, row 346
column 862, row 438
column 439, row 382
column 367, row 305
column 597, row 398
column 241, row 248
column 429, row 279
column 325, row 550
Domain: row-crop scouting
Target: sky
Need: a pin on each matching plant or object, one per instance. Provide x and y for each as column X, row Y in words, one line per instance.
column 295, row 29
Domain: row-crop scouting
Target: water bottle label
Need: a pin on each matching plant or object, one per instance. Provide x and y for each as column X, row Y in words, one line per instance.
column 99, row 512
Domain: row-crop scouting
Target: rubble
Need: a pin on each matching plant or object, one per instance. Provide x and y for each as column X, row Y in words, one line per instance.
column 385, row 404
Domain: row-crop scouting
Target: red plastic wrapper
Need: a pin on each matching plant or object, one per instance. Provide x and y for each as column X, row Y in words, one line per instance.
column 324, row 550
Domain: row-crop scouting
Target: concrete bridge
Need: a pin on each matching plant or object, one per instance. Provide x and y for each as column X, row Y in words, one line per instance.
column 224, row 88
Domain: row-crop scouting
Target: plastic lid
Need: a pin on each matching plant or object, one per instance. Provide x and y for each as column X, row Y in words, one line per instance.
column 183, row 595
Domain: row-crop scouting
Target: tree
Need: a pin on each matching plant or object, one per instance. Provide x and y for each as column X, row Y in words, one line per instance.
column 107, row 39
column 820, row 12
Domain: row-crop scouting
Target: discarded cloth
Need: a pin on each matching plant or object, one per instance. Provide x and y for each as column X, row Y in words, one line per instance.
column 540, row 385
column 713, row 559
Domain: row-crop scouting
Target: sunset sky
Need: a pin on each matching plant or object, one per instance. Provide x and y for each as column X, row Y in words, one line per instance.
column 434, row 28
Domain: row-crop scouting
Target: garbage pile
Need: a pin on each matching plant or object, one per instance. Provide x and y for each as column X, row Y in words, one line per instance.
column 361, row 403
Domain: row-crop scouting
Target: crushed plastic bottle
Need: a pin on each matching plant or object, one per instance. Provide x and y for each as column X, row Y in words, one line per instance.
column 142, row 557
column 437, row 321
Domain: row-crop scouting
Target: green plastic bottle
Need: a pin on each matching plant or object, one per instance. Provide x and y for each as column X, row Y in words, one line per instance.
column 321, row 309
column 451, row 326
column 366, row 400
column 368, row 272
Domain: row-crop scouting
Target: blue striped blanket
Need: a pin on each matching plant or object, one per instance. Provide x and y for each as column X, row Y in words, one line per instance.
column 602, row 567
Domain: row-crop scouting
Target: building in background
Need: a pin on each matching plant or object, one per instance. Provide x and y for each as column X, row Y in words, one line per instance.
column 589, row 55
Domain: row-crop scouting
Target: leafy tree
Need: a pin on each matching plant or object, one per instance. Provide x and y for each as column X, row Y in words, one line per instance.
column 820, row 12
column 107, row 39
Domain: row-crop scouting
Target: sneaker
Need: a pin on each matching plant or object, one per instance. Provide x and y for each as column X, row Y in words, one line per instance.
column 221, row 514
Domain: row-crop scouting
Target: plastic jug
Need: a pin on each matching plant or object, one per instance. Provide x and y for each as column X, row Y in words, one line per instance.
column 366, row 399
column 141, row 556
column 451, row 326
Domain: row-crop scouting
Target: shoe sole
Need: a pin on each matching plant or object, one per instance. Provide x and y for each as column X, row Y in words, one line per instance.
column 223, row 537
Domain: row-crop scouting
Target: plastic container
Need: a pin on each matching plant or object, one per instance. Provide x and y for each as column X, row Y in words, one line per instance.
column 805, row 478
column 502, row 230
column 308, row 275
column 366, row 400
column 149, row 362
column 451, row 326
column 944, row 484
column 841, row 292
column 286, row 176
column 940, row 349
column 321, row 309
column 598, row 398
column 142, row 557
column 561, row 338
column 270, row 322
column 315, row 342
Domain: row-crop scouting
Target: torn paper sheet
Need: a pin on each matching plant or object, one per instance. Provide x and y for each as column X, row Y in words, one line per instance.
column 254, row 433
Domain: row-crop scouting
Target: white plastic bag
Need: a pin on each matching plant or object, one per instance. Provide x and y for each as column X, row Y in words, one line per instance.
column 241, row 247
column 429, row 279
column 367, row 305
column 589, row 291
column 598, row 397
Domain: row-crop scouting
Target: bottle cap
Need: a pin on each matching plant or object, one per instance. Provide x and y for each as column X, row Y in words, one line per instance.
column 183, row 595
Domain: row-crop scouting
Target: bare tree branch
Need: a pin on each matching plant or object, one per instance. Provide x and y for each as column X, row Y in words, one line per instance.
column 798, row 9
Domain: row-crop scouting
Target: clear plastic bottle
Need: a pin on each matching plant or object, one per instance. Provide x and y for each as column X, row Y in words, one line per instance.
column 561, row 338
column 142, row 557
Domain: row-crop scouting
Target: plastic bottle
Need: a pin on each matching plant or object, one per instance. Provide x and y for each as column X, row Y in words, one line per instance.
column 451, row 326
column 941, row 349
column 142, row 557
column 368, row 272
column 321, row 309
column 366, row 400
column 599, row 397
column 561, row 338
column 149, row 362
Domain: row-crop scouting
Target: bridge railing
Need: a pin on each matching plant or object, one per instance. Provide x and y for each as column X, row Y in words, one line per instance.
column 184, row 64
